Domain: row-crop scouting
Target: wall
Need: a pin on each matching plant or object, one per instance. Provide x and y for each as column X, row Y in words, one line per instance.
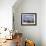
column 6, row 13
column 29, row 32
column 43, row 22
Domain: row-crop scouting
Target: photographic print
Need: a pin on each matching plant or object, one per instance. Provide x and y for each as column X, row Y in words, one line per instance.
column 28, row 18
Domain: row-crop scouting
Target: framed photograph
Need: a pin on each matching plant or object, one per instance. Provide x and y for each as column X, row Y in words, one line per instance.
column 28, row 19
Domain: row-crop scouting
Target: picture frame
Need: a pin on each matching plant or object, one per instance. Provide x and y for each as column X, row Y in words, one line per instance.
column 29, row 19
